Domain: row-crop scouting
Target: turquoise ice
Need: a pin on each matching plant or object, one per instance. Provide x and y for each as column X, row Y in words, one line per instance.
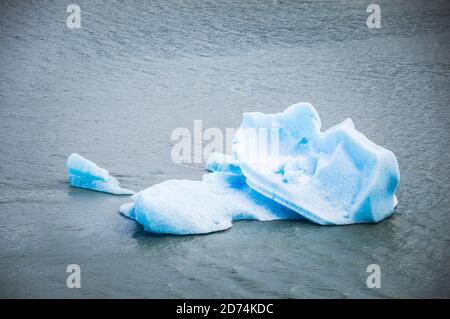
column 282, row 167
column 335, row 177
column 223, row 163
column 85, row 174
column 184, row 207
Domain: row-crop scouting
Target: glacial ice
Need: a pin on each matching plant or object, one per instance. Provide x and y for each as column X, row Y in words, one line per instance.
column 282, row 167
column 185, row 207
column 86, row 174
column 335, row 177
column 218, row 162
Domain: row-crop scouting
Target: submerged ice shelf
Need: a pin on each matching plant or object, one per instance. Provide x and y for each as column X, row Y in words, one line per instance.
column 85, row 174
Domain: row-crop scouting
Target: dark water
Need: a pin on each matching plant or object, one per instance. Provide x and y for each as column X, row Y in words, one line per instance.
column 114, row 91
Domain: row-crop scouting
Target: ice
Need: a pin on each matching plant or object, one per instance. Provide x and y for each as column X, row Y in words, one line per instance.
column 223, row 163
column 86, row 174
column 333, row 177
column 282, row 167
column 184, row 207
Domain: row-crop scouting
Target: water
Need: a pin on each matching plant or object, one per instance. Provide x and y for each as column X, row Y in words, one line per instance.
column 115, row 89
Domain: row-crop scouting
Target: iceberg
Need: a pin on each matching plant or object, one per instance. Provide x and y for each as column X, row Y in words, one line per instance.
column 185, row 207
column 86, row 174
column 335, row 177
column 282, row 167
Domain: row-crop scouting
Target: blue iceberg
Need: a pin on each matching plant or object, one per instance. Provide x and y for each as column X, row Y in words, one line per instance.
column 282, row 167
column 184, row 207
column 86, row 174
column 335, row 177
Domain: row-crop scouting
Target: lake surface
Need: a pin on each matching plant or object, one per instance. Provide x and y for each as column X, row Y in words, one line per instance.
column 114, row 91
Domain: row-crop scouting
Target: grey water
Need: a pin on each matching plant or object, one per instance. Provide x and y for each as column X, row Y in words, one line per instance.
column 115, row 89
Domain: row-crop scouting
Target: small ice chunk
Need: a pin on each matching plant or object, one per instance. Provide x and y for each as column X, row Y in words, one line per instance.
column 185, row 207
column 218, row 162
column 333, row 177
column 86, row 174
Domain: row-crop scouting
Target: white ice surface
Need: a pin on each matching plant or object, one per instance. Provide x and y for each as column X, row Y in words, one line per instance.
column 185, row 207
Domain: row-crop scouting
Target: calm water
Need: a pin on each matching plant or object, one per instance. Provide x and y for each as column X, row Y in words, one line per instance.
column 115, row 89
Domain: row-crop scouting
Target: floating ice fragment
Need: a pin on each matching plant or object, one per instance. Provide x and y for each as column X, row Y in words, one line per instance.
column 86, row 174
column 333, row 177
column 185, row 207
